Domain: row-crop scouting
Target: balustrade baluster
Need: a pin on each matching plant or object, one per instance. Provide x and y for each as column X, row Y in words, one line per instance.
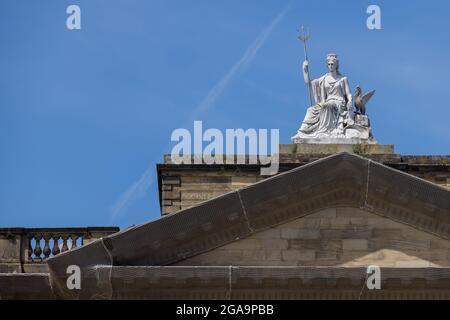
column 74, row 241
column 64, row 246
column 37, row 249
column 55, row 249
column 47, row 250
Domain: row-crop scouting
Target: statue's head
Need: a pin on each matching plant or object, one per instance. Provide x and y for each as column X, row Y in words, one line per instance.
column 332, row 62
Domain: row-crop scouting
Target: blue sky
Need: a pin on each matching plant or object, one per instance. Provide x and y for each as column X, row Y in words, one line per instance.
column 86, row 114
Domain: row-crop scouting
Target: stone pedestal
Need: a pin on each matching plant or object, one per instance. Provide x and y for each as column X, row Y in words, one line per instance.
column 336, row 147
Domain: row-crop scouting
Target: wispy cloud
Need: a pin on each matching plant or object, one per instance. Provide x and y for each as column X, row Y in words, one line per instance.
column 246, row 59
column 139, row 188
column 134, row 192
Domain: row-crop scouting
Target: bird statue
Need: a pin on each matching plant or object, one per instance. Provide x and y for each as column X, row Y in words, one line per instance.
column 360, row 101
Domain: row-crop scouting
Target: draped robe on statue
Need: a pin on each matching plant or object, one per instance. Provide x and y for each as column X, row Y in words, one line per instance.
column 326, row 119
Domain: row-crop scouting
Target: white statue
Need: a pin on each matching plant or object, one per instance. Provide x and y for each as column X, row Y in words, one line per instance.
column 332, row 116
column 333, row 109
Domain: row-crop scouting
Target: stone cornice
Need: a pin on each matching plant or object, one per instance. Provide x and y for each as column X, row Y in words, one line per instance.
column 236, row 282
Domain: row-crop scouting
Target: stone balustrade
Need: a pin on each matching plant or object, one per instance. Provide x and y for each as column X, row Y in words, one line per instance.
column 25, row 250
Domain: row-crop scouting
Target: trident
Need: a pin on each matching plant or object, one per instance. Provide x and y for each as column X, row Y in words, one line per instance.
column 305, row 37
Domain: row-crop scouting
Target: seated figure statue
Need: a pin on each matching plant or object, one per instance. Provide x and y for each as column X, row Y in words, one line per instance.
column 333, row 110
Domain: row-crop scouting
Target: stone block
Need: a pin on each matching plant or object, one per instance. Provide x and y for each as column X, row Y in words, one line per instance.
column 316, row 244
column 198, row 187
column 394, row 234
column 354, row 244
column 299, row 255
column 261, row 255
column 288, row 233
column 339, row 223
column 414, row 234
column 279, row 244
column 242, row 181
column 326, row 256
column 379, row 222
column 329, row 148
column 327, row 213
column 350, row 233
column 244, row 244
column 325, row 223
column 195, row 195
column 413, row 264
column 35, row 268
column 171, row 195
column 170, row 209
column 202, row 178
column 441, row 178
column 10, row 248
column 169, row 180
column 306, row 223
column 436, row 244
column 274, row 233
column 10, row 267
column 436, row 255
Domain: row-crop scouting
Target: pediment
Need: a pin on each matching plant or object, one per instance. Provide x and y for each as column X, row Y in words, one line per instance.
column 340, row 181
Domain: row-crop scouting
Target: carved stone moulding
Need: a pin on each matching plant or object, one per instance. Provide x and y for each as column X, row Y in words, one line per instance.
column 336, row 140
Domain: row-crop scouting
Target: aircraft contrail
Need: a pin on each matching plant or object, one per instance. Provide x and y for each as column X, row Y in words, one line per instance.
column 246, row 59
column 139, row 188
column 134, row 192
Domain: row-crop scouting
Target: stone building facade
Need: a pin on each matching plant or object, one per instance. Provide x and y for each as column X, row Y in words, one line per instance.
column 309, row 232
